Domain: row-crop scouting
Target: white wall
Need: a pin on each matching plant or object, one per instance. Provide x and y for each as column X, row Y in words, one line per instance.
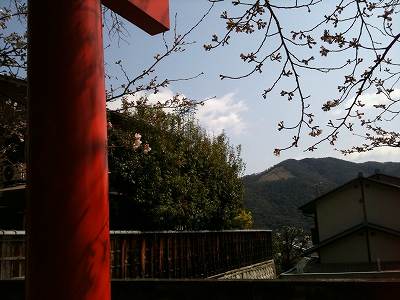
column 339, row 211
column 383, row 205
column 384, row 246
column 350, row 249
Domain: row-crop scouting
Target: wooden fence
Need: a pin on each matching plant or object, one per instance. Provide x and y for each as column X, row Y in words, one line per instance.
column 12, row 254
column 191, row 254
column 163, row 254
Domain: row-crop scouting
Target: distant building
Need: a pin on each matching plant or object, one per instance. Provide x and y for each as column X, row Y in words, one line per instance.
column 357, row 226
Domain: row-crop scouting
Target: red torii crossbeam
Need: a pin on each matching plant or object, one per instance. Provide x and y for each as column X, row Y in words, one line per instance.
column 151, row 16
column 68, row 254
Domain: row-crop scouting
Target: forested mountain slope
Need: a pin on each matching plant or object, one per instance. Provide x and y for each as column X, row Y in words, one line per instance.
column 274, row 195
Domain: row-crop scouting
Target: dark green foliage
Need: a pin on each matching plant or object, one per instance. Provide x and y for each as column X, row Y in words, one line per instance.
column 274, row 195
column 187, row 181
column 288, row 244
column 12, row 120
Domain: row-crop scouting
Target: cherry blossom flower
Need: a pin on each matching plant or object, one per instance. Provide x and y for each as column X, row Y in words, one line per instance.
column 146, row 149
column 137, row 142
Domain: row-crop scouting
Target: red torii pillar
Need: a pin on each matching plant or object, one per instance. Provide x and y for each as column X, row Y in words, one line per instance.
column 68, row 252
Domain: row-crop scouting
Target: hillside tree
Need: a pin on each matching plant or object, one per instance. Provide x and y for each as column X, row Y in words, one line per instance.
column 173, row 175
column 288, row 245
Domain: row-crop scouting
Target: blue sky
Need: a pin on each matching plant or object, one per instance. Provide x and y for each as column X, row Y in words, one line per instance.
column 238, row 107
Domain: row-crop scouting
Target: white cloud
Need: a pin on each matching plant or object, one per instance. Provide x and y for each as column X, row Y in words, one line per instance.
column 222, row 113
column 216, row 115
column 374, row 99
column 369, row 100
column 163, row 95
column 114, row 105
column 378, row 154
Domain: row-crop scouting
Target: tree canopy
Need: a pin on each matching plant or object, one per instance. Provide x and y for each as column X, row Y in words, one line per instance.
column 357, row 38
column 178, row 178
column 12, row 119
column 288, row 245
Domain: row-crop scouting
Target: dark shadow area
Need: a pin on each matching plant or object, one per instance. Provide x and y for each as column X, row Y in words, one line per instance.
column 234, row 289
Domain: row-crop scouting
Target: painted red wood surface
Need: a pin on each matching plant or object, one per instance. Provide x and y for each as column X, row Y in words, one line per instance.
column 68, row 253
column 151, row 16
column 68, row 233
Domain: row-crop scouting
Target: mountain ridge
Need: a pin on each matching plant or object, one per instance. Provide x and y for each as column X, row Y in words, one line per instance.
column 275, row 194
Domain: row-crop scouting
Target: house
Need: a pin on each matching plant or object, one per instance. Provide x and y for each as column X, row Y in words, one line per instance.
column 357, row 225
